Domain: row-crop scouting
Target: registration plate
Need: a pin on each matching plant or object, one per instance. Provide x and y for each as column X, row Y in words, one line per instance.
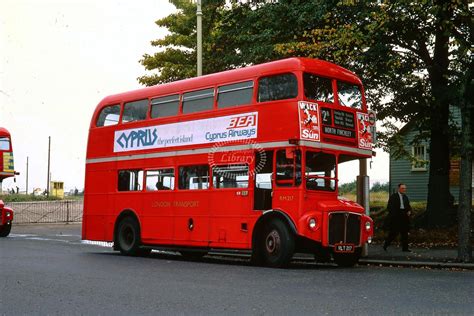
column 344, row 248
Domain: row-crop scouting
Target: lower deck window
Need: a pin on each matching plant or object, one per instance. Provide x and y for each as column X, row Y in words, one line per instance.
column 160, row 180
column 193, row 177
column 230, row 176
column 130, row 180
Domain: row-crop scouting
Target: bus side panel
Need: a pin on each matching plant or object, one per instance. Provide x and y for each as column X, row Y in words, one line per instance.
column 157, row 220
column 230, row 209
column 98, row 206
column 191, row 225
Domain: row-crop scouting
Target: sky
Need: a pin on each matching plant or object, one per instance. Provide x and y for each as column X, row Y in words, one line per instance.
column 58, row 59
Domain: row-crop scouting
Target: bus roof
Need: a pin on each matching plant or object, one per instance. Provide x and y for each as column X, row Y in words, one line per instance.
column 316, row 66
column 4, row 132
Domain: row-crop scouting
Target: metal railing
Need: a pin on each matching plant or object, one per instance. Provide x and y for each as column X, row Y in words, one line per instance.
column 65, row 211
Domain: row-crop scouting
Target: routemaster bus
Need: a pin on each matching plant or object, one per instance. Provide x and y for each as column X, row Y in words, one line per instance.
column 243, row 160
column 6, row 170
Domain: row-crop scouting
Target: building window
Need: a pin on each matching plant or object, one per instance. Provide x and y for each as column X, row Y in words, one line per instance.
column 160, row 180
column 420, row 162
column 130, row 180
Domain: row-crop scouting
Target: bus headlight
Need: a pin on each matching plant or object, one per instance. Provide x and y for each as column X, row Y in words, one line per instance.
column 369, row 240
column 368, row 226
column 312, row 223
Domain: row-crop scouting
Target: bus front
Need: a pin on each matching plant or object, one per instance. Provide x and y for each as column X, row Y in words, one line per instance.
column 335, row 127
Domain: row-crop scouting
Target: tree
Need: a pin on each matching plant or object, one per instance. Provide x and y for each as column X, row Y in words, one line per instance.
column 176, row 58
column 405, row 51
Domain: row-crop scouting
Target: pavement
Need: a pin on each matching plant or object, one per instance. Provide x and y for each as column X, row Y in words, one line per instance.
column 434, row 257
column 427, row 257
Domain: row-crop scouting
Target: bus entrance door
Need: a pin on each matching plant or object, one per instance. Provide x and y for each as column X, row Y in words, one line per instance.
column 263, row 180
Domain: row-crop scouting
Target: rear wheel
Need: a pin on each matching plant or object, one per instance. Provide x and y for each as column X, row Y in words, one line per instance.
column 277, row 244
column 5, row 230
column 128, row 238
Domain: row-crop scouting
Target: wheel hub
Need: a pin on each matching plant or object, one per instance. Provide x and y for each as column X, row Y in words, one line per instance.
column 273, row 242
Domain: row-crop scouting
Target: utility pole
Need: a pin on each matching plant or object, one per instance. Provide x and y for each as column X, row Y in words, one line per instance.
column 27, row 174
column 49, row 161
column 199, row 37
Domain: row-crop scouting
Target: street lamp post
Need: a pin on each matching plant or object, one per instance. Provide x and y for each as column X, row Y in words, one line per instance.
column 199, row 37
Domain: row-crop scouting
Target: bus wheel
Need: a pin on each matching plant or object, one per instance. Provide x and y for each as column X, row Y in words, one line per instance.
column 5, row 230
column 128, row 238
column 346, row 259
column 193, row 255
column 277, row 244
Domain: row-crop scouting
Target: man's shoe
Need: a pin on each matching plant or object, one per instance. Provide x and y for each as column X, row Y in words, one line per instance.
column 406, row 250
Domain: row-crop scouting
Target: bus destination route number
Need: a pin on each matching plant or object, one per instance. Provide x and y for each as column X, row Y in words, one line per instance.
column 343, row 123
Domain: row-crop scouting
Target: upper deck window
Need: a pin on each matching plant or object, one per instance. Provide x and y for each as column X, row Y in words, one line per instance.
column 318, row 88
column 197, row 101
column 235, row 94
column 349, row 95
column 278, row 87
column 165, row 106
column 109, row 116
column 135, row 111
column 4, row 143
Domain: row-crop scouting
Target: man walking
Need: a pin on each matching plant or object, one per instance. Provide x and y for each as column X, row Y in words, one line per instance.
column 399, row 211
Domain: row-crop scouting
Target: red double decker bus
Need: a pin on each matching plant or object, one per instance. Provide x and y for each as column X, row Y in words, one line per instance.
column 6, row 170
column 242, row 160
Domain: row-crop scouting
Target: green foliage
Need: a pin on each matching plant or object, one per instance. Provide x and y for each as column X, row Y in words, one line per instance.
column 176, row 57
column 346, row 188
column 26, row 198
column 379, row 187
column 411, row 55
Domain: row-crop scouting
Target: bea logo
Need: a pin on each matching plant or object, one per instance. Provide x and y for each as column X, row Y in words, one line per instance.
column 242, row 121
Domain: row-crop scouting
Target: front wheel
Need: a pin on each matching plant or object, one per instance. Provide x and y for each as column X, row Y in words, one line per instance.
column 128, row 238
column 277, row 244
column 5, row 230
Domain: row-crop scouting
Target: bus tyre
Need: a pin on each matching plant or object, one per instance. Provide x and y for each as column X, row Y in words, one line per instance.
column 346, row 259
column 128, row 238
column 5, row 230
column 277, row 244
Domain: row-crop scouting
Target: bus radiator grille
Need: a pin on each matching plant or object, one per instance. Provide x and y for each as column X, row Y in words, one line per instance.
column 344, row 228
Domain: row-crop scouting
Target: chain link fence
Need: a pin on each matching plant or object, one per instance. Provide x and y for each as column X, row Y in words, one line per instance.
column 65, row 211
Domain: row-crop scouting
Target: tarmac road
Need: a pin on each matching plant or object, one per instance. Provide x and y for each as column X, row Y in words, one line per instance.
column 48, row 270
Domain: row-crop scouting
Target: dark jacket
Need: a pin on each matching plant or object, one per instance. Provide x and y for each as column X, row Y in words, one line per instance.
column 393, row 205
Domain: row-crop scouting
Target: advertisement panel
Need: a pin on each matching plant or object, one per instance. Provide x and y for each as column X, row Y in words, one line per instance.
column 364, row 126
column 206, row 131
column 309, row 122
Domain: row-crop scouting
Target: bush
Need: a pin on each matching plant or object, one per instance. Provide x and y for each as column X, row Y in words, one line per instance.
column 26, row 198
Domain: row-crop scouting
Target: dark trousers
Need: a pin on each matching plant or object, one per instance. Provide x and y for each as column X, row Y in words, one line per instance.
column 399, row 223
